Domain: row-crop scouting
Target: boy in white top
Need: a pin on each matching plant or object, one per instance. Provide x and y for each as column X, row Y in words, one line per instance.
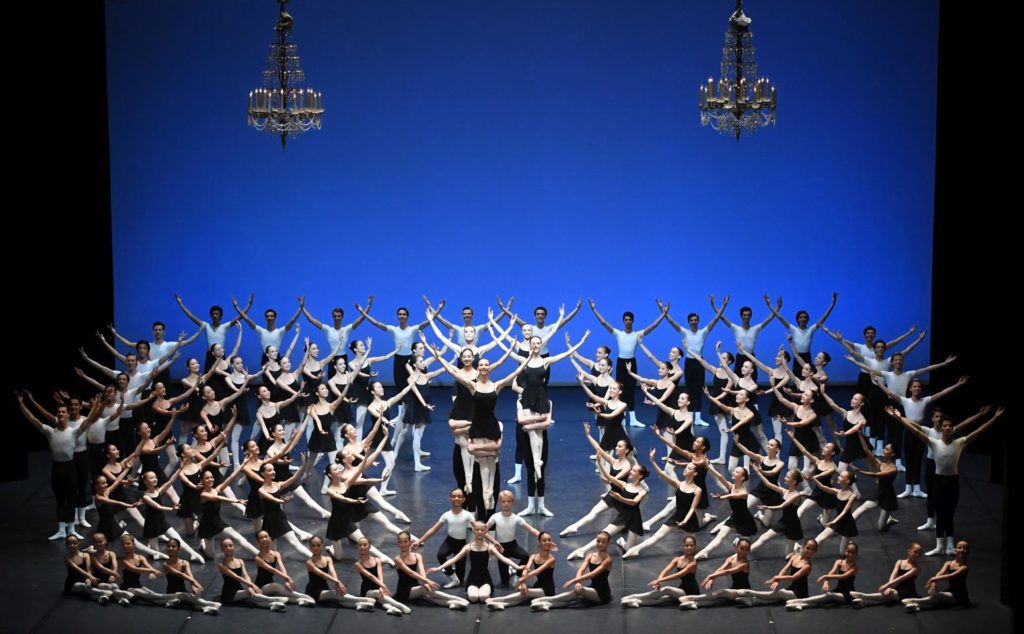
column 744, row 333
column 459, row 524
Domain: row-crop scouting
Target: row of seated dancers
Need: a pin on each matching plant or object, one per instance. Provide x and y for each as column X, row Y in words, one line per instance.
column 103, row 576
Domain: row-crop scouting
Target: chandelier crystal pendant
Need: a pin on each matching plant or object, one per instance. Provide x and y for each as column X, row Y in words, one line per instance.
column 283, row 106
column 739, row 101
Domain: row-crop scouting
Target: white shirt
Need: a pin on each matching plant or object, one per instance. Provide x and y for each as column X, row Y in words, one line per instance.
column 158, row 351
column 695, row 340
column 62, row 442
column 875, row 364
column 145, row 367
column 214, row 335
column 543, row 333
column 334, row 336
column 626, row 342
column 915, row 410
column 898, row 383
column 746, row 336
column 931, row 432
column 505, row 527
column 269, row 337
column 404, row 338
column 459, row 526
column 863, row 350
column 80, row 439
column 947, row 457
column 802, row 337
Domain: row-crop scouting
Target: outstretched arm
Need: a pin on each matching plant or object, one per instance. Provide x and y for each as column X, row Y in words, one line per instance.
column 775, row 312
column 370, row 318
column 648, row 330
column 600, row 319
column 821, row 322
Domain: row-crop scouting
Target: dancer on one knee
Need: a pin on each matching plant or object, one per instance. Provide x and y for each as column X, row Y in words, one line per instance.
column 362, row 362
column 107, row 507
column 374, row 587
column 133, row 567
column 740, row 520
column 843, row 573
column 885, row 494
column 505, row 524
column 269, row 566
column 609, row 411
column 954, row 573
column 947, row 451
column 282, row 465
column 182, row 585
column 629, row 494
column 378, row 410
column 698, row 458
column 237, row 587
column 720, row 380
column 321, row 573
column 80, row 580
column 413, row 582
column 737, row 566
column 104, row 565
column 324, row 415
column 778, row 377
column 658, row 391
column 596, row 567
column 824, row 467
column 844, row 523
column 901, row 584
column 769, row 467
column 351, row 456
column 795, row 572
column 687, row 515
column 745, row 378
column 540, row 566
column 269, row 414
column 478, row 582
column 620, row 461
column 683, row 568
column 211, row 525
column 458, row 523
column 788, row 522
column 156, row 524
column 149, row 449
column 674, row 424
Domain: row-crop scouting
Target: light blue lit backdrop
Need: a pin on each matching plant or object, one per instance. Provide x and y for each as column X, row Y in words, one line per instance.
column 537, row 148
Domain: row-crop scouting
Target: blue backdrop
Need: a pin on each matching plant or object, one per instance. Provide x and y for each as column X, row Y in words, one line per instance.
column 538, row 148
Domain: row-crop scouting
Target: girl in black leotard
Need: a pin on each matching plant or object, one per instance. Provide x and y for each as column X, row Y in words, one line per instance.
column 954, row 573
column 270, row 413
column 741, row 520
column 210, row 524
column 103, row 564
column 150, row 447
column 540, row 566
column 687, row 515
column 885, row 498
column 80, row 579
column 844, row 523
column 182, row 584
column 737, row 567
column 373, row 586
column 794, row 573
column 719, row 383
column 789, row 522
column 479, row 552
column 770, row 468
column 628, row 493
column 837, row 584
column 156, row 524
column 596, row 567
column 683, row 568
column 274, row 520
column 133, row 566
column 743, row 418
column 322, row 575
column 237, row 587
column 823, row 468
column 270, row 566
column 900, row 585
column 609, row 411
column 619, row 461
column 413, row 582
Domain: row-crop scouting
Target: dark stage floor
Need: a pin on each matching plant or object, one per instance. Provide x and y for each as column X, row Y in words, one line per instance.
column 33, row 571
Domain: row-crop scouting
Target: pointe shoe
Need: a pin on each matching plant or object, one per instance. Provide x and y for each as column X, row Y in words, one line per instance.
column 569, row 530
column 392, row 610
column 160, row 557
column 306, row 603
column 278, row 607
column 938, row 550
column 402, row 517
column 630, row 603
column 794, row 606
column 457, row 605
column 687, row 605
column 197, row 558
column 514, row 479
column 540, row 606
column 424, row 454
column 632, row 552
column 718, row 461
column 172, row 603
column 495, row 605
column 701, row 556
column 211, row 611
column 124, row 602
column 387, row 493
column 576, row 554
column 621, row 543
column 364, row 606
column 72, row 531
column 636, row 423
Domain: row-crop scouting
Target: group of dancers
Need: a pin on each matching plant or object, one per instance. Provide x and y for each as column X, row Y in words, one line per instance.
column 103, row 445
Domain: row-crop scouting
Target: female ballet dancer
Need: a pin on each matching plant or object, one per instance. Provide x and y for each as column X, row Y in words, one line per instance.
column 769, row 468
column 843, row 573
column 342, row 377
column 478, row 552
column 413, row 582
column 737, row 566
column 324, row 415
column 362, row 363
column 113, row 469
column 178, row 572
column 947, row 451
column 698, row 457
column 687, row 515
column 458, row 523
column 210, row 523
column 270, row 413
column 272, row 367
column 269, row 566
column 609, row 409
column 658, row 391
column 107, row 507
column 418, row 409
column 162, row 414
column 629, row 494
column 901, row 583
column 238, row 379
column 103, row 564
column 743, row 420
column 313, row 366
column 853, row 423
column 156, row 524
column 824, row 468
column 596, row 566
column 777, row 377
column 815, row 379
column 214, row 416
column 350, row 456
column 954, row 573
column 845, row 522
column 885, row 498
column 535, row 480
column 599, row 378
column 683, row 568
column 321, row 573
column 674, row 424
column 745, row 378
column 505, row 524
column 802, row 429
column 274, row 520
column 133, row 567
column 378, row 409
column 80, row 580
column 282, row 465
column 150, row 448
column 741, row 520
column 374, row 587
column 290, row 381
column 788, row 524
column 237, row 587
column 693, row 338
column 795, row 571
column 620, row 461
column 540, row 566
column 484, row 432
column 193, row 383
column 720, row 380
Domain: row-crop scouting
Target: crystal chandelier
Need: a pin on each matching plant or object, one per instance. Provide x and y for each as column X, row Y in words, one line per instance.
column 739, row 101
column 282, row 105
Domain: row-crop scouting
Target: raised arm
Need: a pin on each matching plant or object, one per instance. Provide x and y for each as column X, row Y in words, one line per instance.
column 558, row 357
column 915, row 342
column 648, row 330
column 188, row 313
column 667, row 477
column 600, row 319
column 821, row 322
column 977, row 432
column 775, row 312
column 800, row 446
column 511, row 377
column 431, row 315
column 319, row 325
column 668, row 317
column 243, row 314
column 946, row 392
column 911, row 426
column 371, row 319
column 892, row 343
column 505, row 308
column 111, row 349
column 720, row 312
column 756, row 361
column 717, row 402
column 765, row 480
column 935, row 366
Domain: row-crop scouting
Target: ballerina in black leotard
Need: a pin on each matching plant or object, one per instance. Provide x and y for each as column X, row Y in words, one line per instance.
column 374, row 587
column 540, row 566
column 687, row 515
column 413, row 582
column 741, row 520
column 954, row 573
column 270, row 566
column 737, row 566
column 597, row 566
column 795, row 572
column 836, row 584
column 683, row 568
column 478, row 581
column 628, row 493
column 901, row 583
column 211, row 525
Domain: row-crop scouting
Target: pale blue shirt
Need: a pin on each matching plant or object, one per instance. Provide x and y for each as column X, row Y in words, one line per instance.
column 626, row 342
column 404, row 338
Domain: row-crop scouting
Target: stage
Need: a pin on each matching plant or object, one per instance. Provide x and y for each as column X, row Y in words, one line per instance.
column 34, row 570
